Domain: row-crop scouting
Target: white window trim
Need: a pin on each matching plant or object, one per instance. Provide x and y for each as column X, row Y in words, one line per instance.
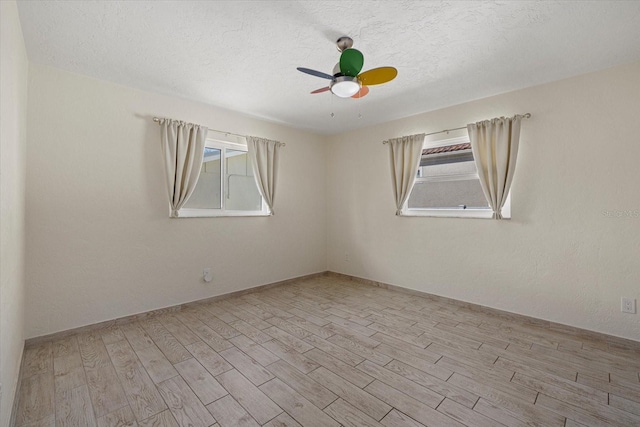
column 486, row 213
column 210, row 213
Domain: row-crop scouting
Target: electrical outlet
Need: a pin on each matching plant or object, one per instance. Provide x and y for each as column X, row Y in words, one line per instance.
column 346, row 257
column 206, row 275
column 628, row 305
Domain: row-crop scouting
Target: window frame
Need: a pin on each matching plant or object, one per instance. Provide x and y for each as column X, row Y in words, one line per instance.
column 478, row 213
column 223, row 146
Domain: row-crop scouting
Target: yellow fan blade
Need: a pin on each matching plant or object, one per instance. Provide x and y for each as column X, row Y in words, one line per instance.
column 377, row 76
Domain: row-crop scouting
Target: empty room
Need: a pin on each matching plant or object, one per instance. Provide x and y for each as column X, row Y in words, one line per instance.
column 319, row 213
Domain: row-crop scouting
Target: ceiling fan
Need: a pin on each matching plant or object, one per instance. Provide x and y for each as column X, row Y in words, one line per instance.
column 347, row 81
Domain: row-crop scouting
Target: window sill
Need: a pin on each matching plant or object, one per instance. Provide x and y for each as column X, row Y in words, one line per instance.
column 454, row 213
column 214, row 213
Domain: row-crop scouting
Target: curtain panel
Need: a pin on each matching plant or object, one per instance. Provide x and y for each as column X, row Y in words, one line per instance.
column 264, row 155
column 183, row 151
column 405, row 154
column 494, row 144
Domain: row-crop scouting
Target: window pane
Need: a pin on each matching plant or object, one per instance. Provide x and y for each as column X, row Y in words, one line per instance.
column 448, row 169
column 242, row 192
column 448, row 194
column 207, row 192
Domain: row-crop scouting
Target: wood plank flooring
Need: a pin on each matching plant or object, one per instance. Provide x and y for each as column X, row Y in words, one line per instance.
column 328, row 351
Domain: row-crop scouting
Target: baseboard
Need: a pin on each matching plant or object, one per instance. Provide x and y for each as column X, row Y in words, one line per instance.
column 16, row 396
column 502, row 314
column 148, row 314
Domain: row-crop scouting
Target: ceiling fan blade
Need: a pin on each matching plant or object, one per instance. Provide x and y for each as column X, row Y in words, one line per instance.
column 315, row 73
column 351, row 62
column 364, row 90
column 324, row 89
column 378, row 76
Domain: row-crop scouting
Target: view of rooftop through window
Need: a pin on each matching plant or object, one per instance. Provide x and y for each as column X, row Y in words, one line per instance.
column 447, row 179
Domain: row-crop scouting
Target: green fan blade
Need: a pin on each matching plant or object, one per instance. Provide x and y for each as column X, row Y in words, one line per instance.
column 351, row 62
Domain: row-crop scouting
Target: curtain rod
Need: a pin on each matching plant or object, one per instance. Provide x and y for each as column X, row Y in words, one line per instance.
column 524, row 116
column 157, row 120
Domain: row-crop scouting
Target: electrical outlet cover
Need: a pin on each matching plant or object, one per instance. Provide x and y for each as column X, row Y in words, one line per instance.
column 628, row 305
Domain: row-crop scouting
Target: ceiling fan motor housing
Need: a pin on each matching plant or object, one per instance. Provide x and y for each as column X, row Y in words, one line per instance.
column 336, row 71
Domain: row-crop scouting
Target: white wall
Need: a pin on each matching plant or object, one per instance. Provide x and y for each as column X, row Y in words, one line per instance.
column 100, row 242
column 13, row 119
column 560, row 258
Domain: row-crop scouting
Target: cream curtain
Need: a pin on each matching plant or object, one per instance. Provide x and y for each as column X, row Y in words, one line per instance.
column 264, row 155
column 494, row 144
column 405, row 153
column 183, row 149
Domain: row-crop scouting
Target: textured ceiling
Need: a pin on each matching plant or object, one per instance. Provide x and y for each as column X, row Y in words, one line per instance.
column 242, row 55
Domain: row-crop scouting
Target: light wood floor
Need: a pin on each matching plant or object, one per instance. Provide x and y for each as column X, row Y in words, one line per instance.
column 329, row 352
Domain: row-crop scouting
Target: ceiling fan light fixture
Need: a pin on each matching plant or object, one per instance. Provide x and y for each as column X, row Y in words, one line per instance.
column 345, row 86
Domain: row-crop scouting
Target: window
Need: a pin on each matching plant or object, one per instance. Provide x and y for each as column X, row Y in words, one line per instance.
column 447, row 183
column 226, row 186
